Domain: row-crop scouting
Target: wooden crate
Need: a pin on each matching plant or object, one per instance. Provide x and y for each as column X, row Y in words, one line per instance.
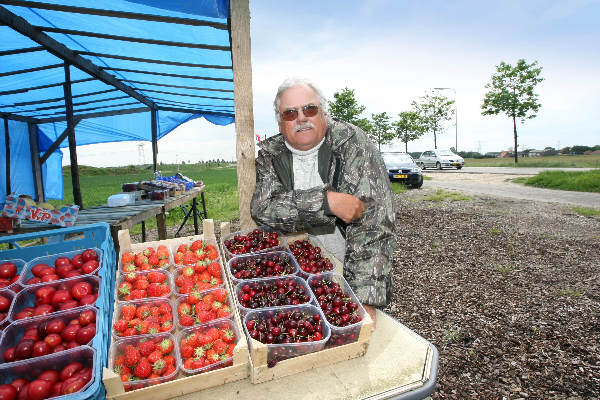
column 182, row 384
column 260, row 372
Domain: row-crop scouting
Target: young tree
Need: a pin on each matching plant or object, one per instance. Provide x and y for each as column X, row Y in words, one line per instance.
column 381, row 132
column 345, row 106
column 434, row 110
column 511, row 92
column 409, row 127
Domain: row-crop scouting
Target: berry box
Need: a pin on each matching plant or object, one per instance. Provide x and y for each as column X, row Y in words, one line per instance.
column 143, row 317
column 161, row 360
column 259, row 294
column 343, row 312
column 250, row 242
column 10, row 280
column 6, row 300
column 310, row 253
column 200, row 277
column 197, row 252
column 201, row 307
column 56, row 331
column 49, row 298
column 143, row 285
column 144, row 257
column 207, row 347
column 60, row 266
column 261, row 265
column 69, row 366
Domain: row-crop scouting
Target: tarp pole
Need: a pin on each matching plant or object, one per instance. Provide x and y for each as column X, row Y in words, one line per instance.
column 7, row 152
column 72, row 143
column 244, row 118
column 153, row 115
column 35, row 163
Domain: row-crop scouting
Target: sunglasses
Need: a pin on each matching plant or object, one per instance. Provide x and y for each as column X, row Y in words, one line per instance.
column 309, row 110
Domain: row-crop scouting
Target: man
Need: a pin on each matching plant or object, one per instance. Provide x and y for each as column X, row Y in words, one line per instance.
column 325, row 176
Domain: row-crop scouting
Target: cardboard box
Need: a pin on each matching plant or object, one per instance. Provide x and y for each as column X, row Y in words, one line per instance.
column 16, row 207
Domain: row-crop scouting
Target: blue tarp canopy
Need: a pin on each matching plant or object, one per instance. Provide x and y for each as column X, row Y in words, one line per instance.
column 118, row 63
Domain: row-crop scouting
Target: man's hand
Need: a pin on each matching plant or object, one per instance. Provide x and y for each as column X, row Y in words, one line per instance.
column 346, row 207
column 372, row 313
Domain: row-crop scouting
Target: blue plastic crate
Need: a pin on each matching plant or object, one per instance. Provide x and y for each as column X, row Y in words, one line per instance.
column 79, row 238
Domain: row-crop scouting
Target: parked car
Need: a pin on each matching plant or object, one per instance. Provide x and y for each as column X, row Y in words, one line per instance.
column 402, row 168
column 440, row 159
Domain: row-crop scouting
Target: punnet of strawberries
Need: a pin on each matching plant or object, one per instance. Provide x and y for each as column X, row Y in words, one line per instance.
column 145, row 361
column 198, row 277
column 142, row 285
column 83, row 263
column 148, row 259
column 309, row 257
column 142, row 317
column 273, row 292
column 200, row 307
column 260, row 265
column 207, row 347
column 198, row 252
column 255, row 241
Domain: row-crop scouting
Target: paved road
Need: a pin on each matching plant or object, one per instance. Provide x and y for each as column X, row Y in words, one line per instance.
column 493, row 181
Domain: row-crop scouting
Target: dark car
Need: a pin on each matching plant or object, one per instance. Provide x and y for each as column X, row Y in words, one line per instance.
column 402, row 168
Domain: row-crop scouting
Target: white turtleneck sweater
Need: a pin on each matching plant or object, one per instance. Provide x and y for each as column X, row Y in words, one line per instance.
column 306, row 176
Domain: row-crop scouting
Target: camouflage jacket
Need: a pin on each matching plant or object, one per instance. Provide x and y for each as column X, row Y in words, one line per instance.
column 348, row 163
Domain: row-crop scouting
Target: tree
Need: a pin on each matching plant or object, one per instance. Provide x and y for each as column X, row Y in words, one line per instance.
column 381, row 131
column 434, row 111
column 409, row 127
column 511, row 92
column 345, row 106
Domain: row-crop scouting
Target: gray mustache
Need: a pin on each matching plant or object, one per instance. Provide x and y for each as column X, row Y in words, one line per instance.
column 305, row 125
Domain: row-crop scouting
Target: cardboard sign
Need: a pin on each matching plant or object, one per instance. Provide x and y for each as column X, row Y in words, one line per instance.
column 16, row 207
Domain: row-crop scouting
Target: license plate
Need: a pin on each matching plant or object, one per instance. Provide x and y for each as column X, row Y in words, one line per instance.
column 456, row 163
column 400, row 176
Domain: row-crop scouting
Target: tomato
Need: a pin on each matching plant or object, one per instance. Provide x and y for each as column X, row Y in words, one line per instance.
column 62, row 261
column 33, row 281
column 7, row 270
column 43, row 309
column 80, row 289
column 57, row 389
column 72, row 345
column 89, row 254
column 58, row 348
column 39, row 389
column 85, row 334
column 32, row 333
column 53, row 339
column 75, row 321
column 89, row 266
column 77, row 261
column 86, row 317
column 4, row 282
column 55, row 326
column 49, row 375
column 25, row 313
column 85, row 373
column 63, row 269
column 69, row 370
column 4, row 303
column 19, row 383
column 23, row 349
column 73, row 273
column 69, row 333
column 88, row 299
column 38, row 268
column 9, row 354
column 44, row 294
column 73, row 385
column 40, row 348
column 46, row 271
column 60, row 296
column 67, row 305
column 50, row 278
column 7, row 392
column 23, row 393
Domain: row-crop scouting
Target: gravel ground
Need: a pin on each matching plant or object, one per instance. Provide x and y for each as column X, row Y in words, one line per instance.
column 507, row 290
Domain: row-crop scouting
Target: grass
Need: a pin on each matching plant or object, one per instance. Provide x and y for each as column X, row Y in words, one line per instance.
column 577, row 181
column 442, row 195
column 575, row 161
column 504, row 269
column 586, row 211
column 569, row 292
column 494, row 232
column 398, row 187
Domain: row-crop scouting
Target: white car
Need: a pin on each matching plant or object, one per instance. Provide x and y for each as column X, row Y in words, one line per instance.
column 440, row 159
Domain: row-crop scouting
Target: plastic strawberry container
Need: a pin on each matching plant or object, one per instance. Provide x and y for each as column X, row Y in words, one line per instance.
column 253, row 283
column 16, row 330
column 229, row 254
column 183, row 298
column 340, row 334
column 20, row 264
column 260, row 256
column 168, row 280
column 49, row 260
column 118, row 345
column 278, row 352
column 315, row 243
column 202, row 328
column 4, row 320
column 30, row 369
column 27, row 296
column 166, row 266
column 197, row 286
column 188, row 242
column 150, row 302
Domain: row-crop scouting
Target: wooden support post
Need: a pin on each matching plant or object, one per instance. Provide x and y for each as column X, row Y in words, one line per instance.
column 7, row 152
column 244, row 115
column 161, row 226
column 195, row 209
column 154, row 115
column 35, row 163
column 72, row 142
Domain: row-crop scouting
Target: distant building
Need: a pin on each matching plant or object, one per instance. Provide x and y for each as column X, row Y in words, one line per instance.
column 535, row 153
column 492, row 154
column 505, row 154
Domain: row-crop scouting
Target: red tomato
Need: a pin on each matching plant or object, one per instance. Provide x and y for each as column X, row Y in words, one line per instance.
column 86, row 317
column 89, row 266
column 73, row 273
column 50, row 278
column 9, row 354
column 88, row 299
column 40, row 348
column 7, row 392
column 19, row 383
column 53, row 339
column 33, row 281
column 69, row 333
column 49, row 375
column 80, row 289
column 25, row 313
column 46, row 271
column 38, row 268
column 61, row 296
column 75, row 321
column 63, row 269
column 4, row 282
column 39, row 389
column 85, row 373
column 77, row 261
column 32, row 333
column 43, row 309
column 72, row 345
column 85, row 334
column 7, row 270
column 89, row 254
column 44, row 294
column 61, row 261
column 23, row 393
column 58, row 348
column 73, row 385
column 70, row 370
column 24, row 349
column 67, row 305
column 55, row 326
column 57, row 389
column 15, row 278
column 4, row 303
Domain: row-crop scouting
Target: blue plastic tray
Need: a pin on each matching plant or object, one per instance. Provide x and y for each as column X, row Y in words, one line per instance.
column 79, row 238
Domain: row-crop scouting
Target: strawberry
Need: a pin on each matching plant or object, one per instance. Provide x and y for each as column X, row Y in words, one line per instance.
column 211, row 252
column 158, row 366
column 130, row 277
column 138, row 294
column 146, row 347
column 124, row 289
column 154, row 290
column 128, row 312
column 168, row 370
column 219, row 346
column 223, row 312
column 178, row 258
column 227, row 335
column 166, row 346
column 184, row 309
column 162, row 252
column 186, row 351
column 194, row 296
column 182, row 248
column 141, row 283
column 214, row 269
column 132, row 355
column 186, row 320
column 163, row 263
column 197, row 244
column 189, row 258
column 127, row 257
column 156, row 277
column 129, row 332
column 148, row 251
column 204, row 316
column 155, row 356
column 143, row 369
column 153, row 260
column 125, row 377
column 129, row 267
column 164, row 308
column 220, row 295
column 169, row 359
column 165, row 289
column 143, row 311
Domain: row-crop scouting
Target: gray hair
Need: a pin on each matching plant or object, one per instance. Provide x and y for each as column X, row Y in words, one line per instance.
column 291, row 82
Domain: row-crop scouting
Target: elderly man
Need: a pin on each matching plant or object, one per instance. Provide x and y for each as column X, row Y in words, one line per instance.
column 325, row 176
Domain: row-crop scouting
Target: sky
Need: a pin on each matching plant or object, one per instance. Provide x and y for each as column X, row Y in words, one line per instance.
column 391, row 52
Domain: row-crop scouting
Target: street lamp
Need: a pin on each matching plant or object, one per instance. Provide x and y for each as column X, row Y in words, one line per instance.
column 455, row 116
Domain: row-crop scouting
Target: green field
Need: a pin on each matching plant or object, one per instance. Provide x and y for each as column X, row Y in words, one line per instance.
column 576, row 181
column 97, row 184
column 576, row 161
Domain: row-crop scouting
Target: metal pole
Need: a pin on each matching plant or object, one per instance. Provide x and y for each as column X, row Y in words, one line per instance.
column 72, row 142
column 7, row 145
